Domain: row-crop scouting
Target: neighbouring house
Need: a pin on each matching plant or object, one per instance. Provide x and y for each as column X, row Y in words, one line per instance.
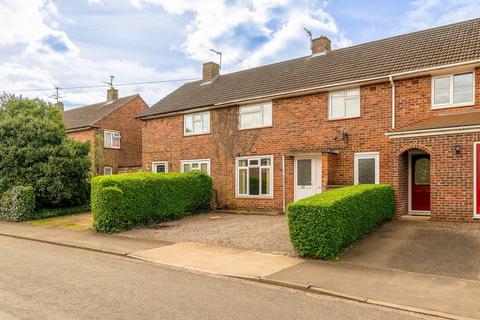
column 113, row 131
column 403, row 110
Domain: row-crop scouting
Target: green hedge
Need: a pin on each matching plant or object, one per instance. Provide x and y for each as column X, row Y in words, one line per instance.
column 17, row 204
column 122, row 201
column 323, row 225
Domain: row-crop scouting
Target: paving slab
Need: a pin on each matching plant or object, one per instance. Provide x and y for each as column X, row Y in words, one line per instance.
column 217, row 259
column 79, row 239
column 444, row 294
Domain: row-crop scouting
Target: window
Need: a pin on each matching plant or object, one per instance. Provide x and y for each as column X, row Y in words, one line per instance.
column 112, row 139
column 160, row 166
column 344, row 104
column 196, row 123
column 107, row 170
column 195, row 165
column 256, row 116
column 255, row 177
column 453, row 90
column 367, row 167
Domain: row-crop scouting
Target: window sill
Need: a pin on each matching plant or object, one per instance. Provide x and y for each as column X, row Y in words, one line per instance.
column 254, row 128
column 195, row 134
column 253, row 197
column 348, row 118
column 115, row 148
column 448, row 106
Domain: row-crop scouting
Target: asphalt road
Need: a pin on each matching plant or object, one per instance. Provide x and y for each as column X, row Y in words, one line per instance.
column 43, row 281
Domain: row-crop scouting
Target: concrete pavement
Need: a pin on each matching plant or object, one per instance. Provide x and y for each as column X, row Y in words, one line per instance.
column 40, row 281
column 451, row 298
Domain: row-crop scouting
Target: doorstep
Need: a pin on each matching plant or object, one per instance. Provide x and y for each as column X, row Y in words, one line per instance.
column 251, row 212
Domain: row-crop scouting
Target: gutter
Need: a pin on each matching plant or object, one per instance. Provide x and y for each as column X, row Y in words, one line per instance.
column 311, row 90
column 81, row 128
column 283, row 184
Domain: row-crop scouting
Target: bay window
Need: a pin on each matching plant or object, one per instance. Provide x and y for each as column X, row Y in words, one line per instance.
column 254, row 176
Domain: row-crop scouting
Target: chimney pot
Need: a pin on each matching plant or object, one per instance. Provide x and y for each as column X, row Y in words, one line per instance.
column 112, row 94
column 321, row 45
column 211, row 70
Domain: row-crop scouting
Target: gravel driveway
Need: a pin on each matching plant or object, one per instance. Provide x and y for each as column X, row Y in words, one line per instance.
column 252, row 232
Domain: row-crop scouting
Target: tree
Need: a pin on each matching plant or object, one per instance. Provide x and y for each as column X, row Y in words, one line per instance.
column 35, row 150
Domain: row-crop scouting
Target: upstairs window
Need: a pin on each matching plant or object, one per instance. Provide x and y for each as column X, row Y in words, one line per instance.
column 344, row 104
column 453, row 90
column 196, row 123
column 112, row 139
column 256, row 116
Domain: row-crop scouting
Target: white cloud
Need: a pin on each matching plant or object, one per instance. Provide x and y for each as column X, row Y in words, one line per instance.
column 217, row 24
column 431, row 13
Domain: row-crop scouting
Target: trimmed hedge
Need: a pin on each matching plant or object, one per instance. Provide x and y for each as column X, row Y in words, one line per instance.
column 323, row 225
column 122, row 201
column 17, row 204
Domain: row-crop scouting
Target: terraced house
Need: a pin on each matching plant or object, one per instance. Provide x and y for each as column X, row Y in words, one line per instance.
column 403, row 110
column 114, row 133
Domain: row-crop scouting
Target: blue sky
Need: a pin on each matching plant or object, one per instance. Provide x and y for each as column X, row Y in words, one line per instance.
column 48, row 43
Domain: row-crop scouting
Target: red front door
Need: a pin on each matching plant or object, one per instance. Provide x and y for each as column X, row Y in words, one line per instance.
column 420, row 184
column 478, row 178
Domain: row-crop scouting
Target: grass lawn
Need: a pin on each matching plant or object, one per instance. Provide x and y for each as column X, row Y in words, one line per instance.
column 78, row 221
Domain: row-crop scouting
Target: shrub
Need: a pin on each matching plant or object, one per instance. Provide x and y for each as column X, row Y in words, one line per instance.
column 322, row 225
column 36, row 151
column 17, row 204
column 122, row 201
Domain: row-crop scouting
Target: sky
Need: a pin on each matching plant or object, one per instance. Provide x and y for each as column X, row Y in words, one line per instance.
column 77, row 43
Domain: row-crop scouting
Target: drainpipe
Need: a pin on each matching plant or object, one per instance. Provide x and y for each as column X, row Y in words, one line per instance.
column 283, row 183
column 393, row 100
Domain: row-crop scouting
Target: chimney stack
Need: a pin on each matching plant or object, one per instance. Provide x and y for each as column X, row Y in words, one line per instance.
column 211, row 70
column 321, row 45
column 112, row 94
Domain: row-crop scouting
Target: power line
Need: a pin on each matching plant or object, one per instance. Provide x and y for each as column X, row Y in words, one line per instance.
column 100, row 86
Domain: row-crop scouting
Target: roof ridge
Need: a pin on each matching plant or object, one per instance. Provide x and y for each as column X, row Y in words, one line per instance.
column 103, row 102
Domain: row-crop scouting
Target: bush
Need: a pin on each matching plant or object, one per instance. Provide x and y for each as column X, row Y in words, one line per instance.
column 17, row 204
column 36, row 151
column 322, row 225
column 122, row 201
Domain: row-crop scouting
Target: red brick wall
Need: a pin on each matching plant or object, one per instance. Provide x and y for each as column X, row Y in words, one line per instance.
column 299, row 124
column 123, row 120
column 84, row 135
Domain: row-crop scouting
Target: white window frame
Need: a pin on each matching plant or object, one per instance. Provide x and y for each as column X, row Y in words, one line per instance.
column 345, row 104
column 157, row 163
column 199, row 161
column 451, row 104
column 106, row 169
column 112, row 132
column 367, row 155
column 237, row 185
column 192, row 115
column 476, row 215
column 241, row 110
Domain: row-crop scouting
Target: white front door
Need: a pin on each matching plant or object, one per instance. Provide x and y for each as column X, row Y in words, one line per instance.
column 308, row 176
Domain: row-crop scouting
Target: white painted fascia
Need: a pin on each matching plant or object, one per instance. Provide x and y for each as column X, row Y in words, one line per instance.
column 433, row 132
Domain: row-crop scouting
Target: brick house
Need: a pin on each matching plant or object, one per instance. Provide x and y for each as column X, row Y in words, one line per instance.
column 114, row 133
column 403, row 110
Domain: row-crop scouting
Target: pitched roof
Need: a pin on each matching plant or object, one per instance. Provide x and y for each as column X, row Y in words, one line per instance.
column 451, row 120
column 439, row 46
column 87, row 116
